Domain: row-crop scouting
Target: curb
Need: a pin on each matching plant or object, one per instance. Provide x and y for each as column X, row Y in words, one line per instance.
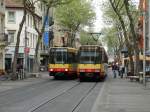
column 100, row 98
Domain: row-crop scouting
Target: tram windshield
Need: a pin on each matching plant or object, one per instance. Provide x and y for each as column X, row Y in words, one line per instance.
column 58, row 57
column 90, row 57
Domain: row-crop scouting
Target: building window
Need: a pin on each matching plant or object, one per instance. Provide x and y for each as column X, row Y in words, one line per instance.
column 34, row 41
column 31, row 40
column 28, row 36
column 2, row 25
column 11, row 35
column 30, row 21
column 2, row 2
column 11, row 17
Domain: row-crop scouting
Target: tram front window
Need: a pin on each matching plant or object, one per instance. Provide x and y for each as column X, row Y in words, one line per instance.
column 90, row 57
column 58, row 57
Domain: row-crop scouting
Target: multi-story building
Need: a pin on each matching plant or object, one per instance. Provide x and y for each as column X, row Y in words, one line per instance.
column 62, row 37
column 14, row 13
column 3, row 38
column 144, row 6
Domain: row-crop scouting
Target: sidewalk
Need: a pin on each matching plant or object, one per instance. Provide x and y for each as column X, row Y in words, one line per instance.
column 8, row 84
column 121, row 95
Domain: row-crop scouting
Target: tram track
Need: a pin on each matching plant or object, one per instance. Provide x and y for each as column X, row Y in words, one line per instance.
column 84, row 97
column 28, row 93
column 52, row 99
column 66, row 92
column 31, row 86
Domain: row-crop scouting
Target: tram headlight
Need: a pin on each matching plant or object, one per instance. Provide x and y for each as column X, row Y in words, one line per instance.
column 97, row 70
column 51, row 69
column 66, row 70
column 81, row 70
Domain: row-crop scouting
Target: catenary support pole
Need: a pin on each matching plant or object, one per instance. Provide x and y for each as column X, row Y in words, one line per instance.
column 144, row 78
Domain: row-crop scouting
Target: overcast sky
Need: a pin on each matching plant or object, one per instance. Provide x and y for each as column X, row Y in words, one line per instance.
column 98, row 22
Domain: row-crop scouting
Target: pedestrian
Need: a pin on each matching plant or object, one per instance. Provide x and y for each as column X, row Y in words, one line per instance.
column 121, row 70
column 114, row 69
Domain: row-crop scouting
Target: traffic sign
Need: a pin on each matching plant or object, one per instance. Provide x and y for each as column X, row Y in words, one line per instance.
column 27, row 50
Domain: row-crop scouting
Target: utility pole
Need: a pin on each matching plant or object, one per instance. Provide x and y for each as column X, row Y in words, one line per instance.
column 144, row 58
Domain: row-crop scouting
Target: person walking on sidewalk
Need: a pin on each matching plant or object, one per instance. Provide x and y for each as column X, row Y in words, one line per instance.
column 114, row 69
column 121, row 70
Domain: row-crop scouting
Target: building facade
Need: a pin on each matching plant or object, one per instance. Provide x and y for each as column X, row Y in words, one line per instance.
column 144, row 20
column 3, row 38
column 14, row 13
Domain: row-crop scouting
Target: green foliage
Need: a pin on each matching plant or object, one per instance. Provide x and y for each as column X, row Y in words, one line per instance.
column 111, row 39
column 72, row 15
column 111, row 33
column 55, row 3
column 115, row 25
column 86, row 38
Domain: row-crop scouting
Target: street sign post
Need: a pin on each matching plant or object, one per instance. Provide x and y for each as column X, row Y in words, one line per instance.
column 46, row 31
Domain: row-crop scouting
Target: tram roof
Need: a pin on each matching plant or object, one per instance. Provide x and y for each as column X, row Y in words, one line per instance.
column 86, row 47
column 68, row 48
column 91, row 47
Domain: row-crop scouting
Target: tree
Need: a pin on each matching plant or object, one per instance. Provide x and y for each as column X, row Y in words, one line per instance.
column 134, row 34
column 29, row 6
column 85, row 38
column 74, row 15
column 114, row 41
column 117, row 33
column 121, row 17
column 14, row 67
column 49, row 4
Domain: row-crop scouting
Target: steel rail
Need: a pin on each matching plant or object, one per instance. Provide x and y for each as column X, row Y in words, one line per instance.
column 84, row 97
column 52, row 99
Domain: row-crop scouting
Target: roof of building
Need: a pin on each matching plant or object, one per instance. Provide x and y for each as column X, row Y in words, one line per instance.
column 14, row 3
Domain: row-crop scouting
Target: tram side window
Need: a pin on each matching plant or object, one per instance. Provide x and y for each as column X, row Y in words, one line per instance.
column 105, row 59
column 98, row 58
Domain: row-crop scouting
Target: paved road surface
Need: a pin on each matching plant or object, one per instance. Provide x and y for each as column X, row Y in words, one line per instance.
column 51, row 96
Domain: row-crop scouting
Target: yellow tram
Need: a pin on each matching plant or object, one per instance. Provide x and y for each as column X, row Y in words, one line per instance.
column 62, row 62
column 92, row 62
